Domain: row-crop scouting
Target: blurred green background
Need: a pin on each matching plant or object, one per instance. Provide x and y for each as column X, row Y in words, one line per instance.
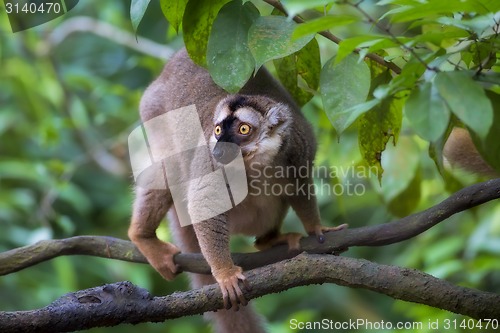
column 67, row 105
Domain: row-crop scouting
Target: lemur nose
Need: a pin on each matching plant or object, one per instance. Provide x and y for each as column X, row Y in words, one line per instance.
column 225, row 152
column 218, row 153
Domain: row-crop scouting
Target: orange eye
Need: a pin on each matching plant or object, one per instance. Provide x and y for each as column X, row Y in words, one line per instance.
column 217, row 130
column 244, row 129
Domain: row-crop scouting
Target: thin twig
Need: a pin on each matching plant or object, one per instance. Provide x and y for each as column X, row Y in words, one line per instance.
column 389, row 32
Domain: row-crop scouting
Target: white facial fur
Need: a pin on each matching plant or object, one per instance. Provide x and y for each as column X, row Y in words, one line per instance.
column 269, row 129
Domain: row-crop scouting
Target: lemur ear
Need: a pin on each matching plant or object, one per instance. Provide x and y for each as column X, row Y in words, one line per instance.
column 277, row 115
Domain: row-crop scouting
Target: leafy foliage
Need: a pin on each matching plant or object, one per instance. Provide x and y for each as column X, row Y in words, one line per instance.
column 453, row 44
column 197, row 23
column 323, row 23
column 489, row 146
column 270, row 38
column 466, row 99
column 428, row 112
column 174, row 11
column 228, row 51
column 301, row 66
column 438, row 61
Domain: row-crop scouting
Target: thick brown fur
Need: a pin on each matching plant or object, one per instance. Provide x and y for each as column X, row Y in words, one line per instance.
column 183, row 83
column 460, row 151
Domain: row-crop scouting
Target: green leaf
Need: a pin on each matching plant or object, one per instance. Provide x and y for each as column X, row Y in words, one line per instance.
column 420, row 10
column 395, row 2
column 347, row 46
column 270, row 37
column 401, row 183
column 294, row 7
column 438, row 37
column 466, row 100
column 410, row 74
column 427, row 112
column 477, row 25
column 74, row 196
column 9, row 117
column 323, row 23
column 173, row 10
column 197, row 24
column 309, row 64
column 489, row 146
column 489, row 77
column 484, row 53
column 137, row 10
column 229, row 60
column 436, row 150
column 447, row 269
column 24, row 170
column 376, row 127
column 344, row 88
column 302, row 65
column 407, row 201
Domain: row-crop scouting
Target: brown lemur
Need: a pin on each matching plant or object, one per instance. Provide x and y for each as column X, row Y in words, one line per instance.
column 460, row 151
column 267, row 125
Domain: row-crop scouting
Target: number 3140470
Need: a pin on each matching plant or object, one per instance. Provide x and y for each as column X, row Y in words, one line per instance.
column 471, row 324
column 33, row 8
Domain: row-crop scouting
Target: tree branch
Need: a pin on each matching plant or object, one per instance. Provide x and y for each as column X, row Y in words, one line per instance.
column 98, row 246
column 328, row 35
column 123, row 302
column 377, row 235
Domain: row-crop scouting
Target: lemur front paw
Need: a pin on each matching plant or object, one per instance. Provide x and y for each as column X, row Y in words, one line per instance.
column 320, row 229
column 163, row 261
column 290, row 238
column 231, row 292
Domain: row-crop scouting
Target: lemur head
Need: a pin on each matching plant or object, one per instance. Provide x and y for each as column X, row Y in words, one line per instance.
column 255, row 124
